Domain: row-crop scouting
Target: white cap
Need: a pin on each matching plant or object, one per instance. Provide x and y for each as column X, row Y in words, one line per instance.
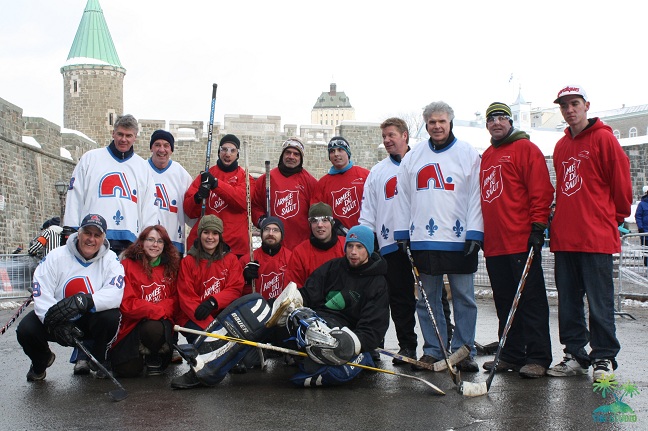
column 645, row 189
column 570, row 90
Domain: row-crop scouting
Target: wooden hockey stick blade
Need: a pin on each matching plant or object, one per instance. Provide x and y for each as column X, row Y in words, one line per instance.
column 178, row 328
column 458, row 356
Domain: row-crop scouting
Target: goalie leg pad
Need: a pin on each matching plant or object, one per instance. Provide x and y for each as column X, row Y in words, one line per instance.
column 329, row 375
column 347, row 347
column 243, row 318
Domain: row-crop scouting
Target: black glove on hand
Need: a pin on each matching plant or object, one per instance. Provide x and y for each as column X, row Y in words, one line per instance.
column 263, row 217
column 339, row 229
column 208, row 180
column 536, row 239
column 206, row 307
column 403, row 244
column 65, row 333
column 251, row 271
column 68, row 308
column 471, row 246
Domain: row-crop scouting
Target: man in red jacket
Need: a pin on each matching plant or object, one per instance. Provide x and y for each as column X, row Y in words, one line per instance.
column 516, row 194
column 223, row 186
column 291, row 189
column 593, row 197
column 342, row 187
column 270, row 262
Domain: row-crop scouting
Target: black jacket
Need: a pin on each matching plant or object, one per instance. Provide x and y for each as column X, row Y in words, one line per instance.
column 365, row 305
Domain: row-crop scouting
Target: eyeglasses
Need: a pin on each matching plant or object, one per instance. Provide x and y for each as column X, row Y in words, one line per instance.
column 226, row 150
column 272, row 229
column 497, row 119
column 318, row 219
column 152, row 240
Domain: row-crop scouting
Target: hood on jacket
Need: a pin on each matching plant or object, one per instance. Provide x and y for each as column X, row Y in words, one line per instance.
column 71, row 244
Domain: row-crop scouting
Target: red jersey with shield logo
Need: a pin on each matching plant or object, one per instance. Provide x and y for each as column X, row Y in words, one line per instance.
column 343, row 192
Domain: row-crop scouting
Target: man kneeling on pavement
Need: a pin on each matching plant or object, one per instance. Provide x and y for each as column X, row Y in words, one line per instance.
column 338, row 316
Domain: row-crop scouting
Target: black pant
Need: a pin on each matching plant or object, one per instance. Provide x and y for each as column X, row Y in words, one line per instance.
column 401, row 297
column 100, row 327
column 528, row 340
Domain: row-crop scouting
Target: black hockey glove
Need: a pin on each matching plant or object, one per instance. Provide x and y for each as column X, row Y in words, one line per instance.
column 471, row 246
column 403, row 244
column 205, row 308
column 536, row 238
column 68, row 308
column 339, row 229
column 65, row 333
column 251, row 271
column 208, row 180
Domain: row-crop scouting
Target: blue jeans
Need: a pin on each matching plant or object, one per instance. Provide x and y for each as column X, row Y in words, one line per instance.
column 577, row 275
column 464, row 311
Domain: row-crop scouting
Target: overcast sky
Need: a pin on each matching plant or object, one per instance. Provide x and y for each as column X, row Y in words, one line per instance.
column 276, row 57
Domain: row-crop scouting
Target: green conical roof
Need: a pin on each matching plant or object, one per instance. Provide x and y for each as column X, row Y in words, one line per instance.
column 92, row 40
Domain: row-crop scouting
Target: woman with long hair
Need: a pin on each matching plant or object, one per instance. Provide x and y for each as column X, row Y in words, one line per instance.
column 149, row 305
column 210, row 277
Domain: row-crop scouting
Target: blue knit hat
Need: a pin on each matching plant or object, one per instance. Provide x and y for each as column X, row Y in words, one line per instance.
column 363, row 235
column 339, row 142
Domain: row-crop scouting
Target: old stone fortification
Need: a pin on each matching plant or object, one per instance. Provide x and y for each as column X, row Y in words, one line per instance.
column 27, row 192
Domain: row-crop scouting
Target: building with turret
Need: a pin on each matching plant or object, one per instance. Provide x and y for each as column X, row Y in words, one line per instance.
column 332, row 108
column 93, row 79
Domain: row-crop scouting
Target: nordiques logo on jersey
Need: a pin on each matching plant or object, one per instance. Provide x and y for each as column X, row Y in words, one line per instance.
column 572, row 179
column 431, row 173
column 286, row 204
column 345, row 202
column 154, row 292
column 80, row 284
column 115, row 184
column 163, row 201
column 491, row 184
column 390, row 188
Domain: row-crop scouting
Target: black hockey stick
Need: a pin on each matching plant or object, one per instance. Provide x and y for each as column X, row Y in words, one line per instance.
column 298, row 353
column 17, row 314
column 482, row 389
column 210, row 133
column 267, row 184
column 456, row 357
column 118, row 394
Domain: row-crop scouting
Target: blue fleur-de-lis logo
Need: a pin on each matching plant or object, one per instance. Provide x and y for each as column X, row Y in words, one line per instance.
column 458, row 229
column 412, row 229
column 384, row 232
column 431, row 227
column 118, row 217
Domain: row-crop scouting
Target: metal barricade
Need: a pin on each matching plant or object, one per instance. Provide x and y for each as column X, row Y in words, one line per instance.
column 632, row 269
column 16, row 272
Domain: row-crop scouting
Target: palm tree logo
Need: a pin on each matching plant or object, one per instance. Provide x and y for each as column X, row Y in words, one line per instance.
column 617, row 411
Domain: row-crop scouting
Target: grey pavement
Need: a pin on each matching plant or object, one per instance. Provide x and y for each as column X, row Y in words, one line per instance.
column 266, row 400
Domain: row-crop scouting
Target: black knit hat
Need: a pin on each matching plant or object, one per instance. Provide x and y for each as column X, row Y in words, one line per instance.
column 164, row 135
column 230, row 138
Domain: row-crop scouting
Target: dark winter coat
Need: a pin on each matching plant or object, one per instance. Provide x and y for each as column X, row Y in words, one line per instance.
column 641, row 214
column 365, row 305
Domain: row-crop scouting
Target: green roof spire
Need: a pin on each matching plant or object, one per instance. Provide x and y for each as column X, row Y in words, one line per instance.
column 92, row 43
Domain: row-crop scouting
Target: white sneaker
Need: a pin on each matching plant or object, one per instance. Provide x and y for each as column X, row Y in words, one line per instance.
column 81, row 367
column 568, row 367
column 602, row 367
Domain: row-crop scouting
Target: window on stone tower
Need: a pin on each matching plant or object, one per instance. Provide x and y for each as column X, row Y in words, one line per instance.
column 75, row 86
column 111, row 119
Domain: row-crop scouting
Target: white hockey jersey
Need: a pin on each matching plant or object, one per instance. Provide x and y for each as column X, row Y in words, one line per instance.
column 171, row 184
column 122, row 191
column 64, row 272
column 378, row 201
column 438, row 203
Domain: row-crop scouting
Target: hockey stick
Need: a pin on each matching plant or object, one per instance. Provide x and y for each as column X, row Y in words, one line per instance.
column 17, row 314
column 267, row 181
column 298, row 353
column 456, row 357
column 210, row 132
column 455, row 374
column 118, row 394
column 249, row 206
column 482, row 388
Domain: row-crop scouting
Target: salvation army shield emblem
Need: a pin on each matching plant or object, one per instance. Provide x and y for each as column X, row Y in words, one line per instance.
column 491, row 183
column 286, row 204
column 345, row 202
column 572, row 179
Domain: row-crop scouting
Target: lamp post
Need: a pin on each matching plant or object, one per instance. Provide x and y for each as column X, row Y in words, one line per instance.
column 61, row 189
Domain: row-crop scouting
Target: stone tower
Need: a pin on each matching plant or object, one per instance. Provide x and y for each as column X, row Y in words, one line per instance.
column 93, row 79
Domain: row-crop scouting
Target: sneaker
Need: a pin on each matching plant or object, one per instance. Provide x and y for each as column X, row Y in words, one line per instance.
column 153, row 365
column 532, row 371
column 186, row 381
column 602, row 367
column 408, row 352
column 502, row 366
column 81, row 367
column 568, row 367
column 428, row 359
column 97, row 373
column 33, row 376
column 468, row 365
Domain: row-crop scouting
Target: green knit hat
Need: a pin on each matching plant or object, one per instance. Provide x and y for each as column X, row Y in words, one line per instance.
column 498, row 108
column 320, row 209
column 210, row 222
